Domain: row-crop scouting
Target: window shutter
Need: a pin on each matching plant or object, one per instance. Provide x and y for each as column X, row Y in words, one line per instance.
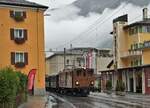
column 26, row 58
column 24, row 14
column 12, row 34
column 12, row 58
column 11, row 13
column 25, row 34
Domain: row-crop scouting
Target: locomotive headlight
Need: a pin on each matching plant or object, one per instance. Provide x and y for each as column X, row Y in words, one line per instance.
column 92, row 83
column 77, row 83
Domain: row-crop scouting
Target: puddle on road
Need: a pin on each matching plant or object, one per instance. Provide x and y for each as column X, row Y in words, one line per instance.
column 60, row 104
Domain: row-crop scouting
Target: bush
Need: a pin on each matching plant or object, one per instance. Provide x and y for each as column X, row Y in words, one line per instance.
column 22, row 88
column 12, row 84
column 120, row 86
column 8, row 85
column 109, row 85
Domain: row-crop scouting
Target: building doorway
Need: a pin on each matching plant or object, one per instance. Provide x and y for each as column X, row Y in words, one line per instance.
column 139, row 82
column 131, row 85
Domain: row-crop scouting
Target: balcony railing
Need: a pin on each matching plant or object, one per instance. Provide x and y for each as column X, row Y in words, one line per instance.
column 131, row 53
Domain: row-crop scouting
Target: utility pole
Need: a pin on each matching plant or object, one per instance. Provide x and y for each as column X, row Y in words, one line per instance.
column 72, row 56
column 116, row 59
column 64, row 58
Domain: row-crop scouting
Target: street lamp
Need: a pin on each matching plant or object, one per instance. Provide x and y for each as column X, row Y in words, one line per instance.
column 47, row 14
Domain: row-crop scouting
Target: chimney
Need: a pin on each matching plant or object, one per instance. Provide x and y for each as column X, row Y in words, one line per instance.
column 145, row 14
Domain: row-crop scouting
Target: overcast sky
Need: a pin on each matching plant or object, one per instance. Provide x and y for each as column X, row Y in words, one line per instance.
column 65, row 24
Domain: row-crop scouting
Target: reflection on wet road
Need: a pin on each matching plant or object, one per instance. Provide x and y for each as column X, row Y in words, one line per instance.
column 91, row 102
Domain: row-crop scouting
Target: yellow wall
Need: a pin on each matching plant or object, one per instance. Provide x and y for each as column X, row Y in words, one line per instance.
column 144, row 37
column 122, row 40
column 132, row 39
column 34, row 23
column 137, row 38
column 146, row 57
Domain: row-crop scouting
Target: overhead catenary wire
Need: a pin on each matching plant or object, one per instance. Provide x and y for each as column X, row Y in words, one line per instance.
column 88, row 29
column 106, row 19
column 92, row 27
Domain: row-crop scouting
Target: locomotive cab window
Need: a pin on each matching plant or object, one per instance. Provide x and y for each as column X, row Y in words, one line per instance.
column 78, row 72
column 91, row 73
column 84, row 73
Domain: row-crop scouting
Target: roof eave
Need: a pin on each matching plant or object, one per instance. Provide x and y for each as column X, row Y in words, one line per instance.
column 25, row 5
column 135, row 24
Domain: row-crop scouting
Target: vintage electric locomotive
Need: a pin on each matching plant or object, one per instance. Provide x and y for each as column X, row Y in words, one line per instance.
column 78, row 81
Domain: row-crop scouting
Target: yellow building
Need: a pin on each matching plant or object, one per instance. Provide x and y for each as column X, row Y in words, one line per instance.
column 132, row 42
column 22, row 39
column 131, row 49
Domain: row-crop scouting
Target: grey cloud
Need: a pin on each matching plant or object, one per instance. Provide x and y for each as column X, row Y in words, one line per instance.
column 69, row 12
column 98, row 6
column 67, row 22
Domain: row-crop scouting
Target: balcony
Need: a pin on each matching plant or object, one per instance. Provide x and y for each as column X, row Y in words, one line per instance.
column 131, row 53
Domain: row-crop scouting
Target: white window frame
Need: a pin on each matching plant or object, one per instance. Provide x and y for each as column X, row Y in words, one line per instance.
column 17, row 36
column 19, row 57
column 14, row 12
column 148, row 29
column 144, row 29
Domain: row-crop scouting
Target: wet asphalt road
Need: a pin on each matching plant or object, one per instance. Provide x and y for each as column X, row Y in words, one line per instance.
column 91, row 102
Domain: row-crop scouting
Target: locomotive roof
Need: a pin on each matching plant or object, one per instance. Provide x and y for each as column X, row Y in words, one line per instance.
column 70, row 70
column 54, row 74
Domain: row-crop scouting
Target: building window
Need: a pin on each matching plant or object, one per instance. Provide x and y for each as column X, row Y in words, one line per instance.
column 136, row 46
column 145, row 29
column 132, row 47
column 132, row 64
column 139, row 29
column 133, row 30
column 18, row 33
column 18, row 15
column 140, row 62
column 136, row 62
column 146, row 44
column 79, row 62
column 19, row 59
column 148, row 29
column 140, row 45
column 68, row 61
